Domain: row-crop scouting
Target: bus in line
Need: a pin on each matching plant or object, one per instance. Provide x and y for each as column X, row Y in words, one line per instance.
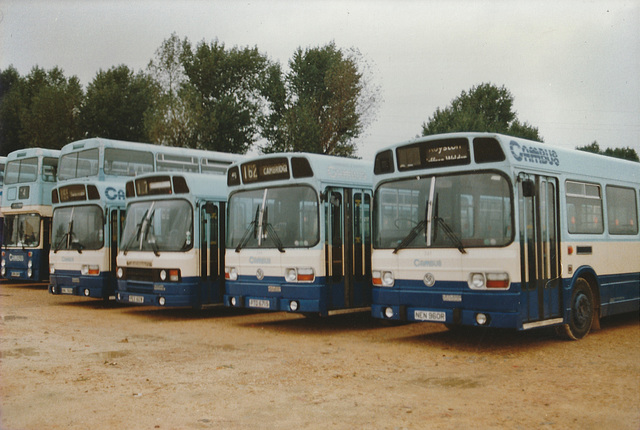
column 478, row 229
column 298, row 234
column 29, row 177
column 172, row 248
column 3, row 161
column 89, row 206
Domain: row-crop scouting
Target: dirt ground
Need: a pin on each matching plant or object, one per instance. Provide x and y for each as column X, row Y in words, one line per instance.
column 74, row 363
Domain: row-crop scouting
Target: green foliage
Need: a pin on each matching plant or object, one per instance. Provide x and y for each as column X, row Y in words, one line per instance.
column 624, row 153
column 117, row 102
column 485, row 108
column 171, row 120
column 40, row 110
column 321, row 105
column 223, row 95
column 10, row 107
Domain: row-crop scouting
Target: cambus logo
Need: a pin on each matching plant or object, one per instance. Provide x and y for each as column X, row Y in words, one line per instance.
column 530, row 154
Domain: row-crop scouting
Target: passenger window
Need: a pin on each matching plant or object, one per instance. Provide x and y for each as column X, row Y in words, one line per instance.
column 584, row 208
column 622, row 210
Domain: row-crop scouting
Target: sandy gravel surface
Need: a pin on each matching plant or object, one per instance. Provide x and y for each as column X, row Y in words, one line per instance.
column 71, row 363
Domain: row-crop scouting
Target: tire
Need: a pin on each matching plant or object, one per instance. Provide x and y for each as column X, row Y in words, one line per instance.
column 581, row 312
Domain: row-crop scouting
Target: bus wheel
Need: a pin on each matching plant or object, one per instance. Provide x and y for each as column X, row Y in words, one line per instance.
column 581, row 312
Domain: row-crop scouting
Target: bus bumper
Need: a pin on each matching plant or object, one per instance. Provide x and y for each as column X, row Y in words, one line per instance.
column 73, row 283
column 272, row 295
column 182, row 294
column 466, row 308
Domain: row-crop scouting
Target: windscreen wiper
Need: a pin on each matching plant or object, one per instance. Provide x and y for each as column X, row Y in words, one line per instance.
column 450, row 234
column 253, row 226
column 125, row 248
column 271, row 232
column 411, row 236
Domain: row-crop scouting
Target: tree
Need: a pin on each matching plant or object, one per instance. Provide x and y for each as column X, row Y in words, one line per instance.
column 321, row 105
column 624, row 153
column 117, row 102
column 223, row 95
column 40, row 110
column 172, row 120
column 51, row 118
column 10, row 107
column 484, row 108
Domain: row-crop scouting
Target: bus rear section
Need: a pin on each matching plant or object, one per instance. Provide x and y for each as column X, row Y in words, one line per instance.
column 298, row 234
column 172, row 248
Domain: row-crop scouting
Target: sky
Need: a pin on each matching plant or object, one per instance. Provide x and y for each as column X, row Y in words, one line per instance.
column 572, row 67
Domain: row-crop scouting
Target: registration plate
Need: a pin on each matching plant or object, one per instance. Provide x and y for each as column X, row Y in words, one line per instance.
column 258, row 303
column 67, row 290
column 136, row 299
column 430, row 316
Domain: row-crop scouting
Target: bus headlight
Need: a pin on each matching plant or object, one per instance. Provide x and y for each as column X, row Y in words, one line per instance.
column 294, row 305
column 388, row 313
column 382, row 278
column 52, row 269
column 3, row 271
column 4, row 263
column 162, row 301
column 299, row 274
column 119, row 273
column 29, row 273
column 230, row 273
column 290, row 275
column 92, row 269
column 476, row 281
column 30, row 264
column 163, row 275
column 482, row 319
column 489, row 281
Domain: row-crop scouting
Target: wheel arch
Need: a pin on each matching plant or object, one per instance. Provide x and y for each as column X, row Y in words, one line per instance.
column 588, row 274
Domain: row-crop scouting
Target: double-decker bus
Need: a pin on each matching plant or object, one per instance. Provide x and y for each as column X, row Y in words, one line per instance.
column 30, row 175
column 89, row 206
column 3, row 161
column 172, row 247
column 476, row 229
column 298, row 234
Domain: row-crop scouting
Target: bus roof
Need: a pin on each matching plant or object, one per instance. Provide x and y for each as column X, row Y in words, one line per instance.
column 164, row 184
column 32, row 152
column 520, row 154
column 327, row 169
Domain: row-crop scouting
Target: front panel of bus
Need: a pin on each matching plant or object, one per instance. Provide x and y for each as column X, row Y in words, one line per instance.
column 444, row 248
column 87, row 221
column 444, row 237
column 27, row 217
column 292, row 248
column 170, row 253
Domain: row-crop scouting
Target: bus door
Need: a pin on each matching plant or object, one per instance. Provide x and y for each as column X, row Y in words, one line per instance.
column 349, row 247
column 211, row 256
column 46, row 245
column 540, row 249
column 116, row 222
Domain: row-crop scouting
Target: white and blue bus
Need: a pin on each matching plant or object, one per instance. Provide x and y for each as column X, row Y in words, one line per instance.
column 172, row 247
column 29, row 177
column 298, row 234
column 89, row 206
column 3, row 161
column 475, row 229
